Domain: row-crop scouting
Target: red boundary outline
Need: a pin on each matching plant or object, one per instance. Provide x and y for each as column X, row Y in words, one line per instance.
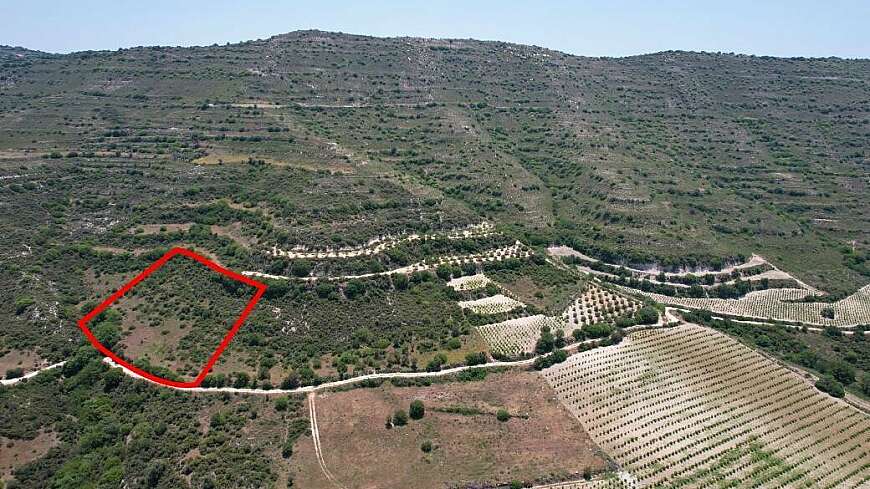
column 261, row 288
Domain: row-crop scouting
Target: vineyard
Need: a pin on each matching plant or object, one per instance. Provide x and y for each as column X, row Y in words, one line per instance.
column 618, row 480
column 515, row 337
column 518, row 336
column 495, row 304
column 775, row 304
column 381, row 244
column 596, row 305
column 690, row 407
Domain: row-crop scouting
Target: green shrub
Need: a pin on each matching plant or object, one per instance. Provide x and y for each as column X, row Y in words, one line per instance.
column 477, row 358
column 22, row 303
column 831, row 386
column 14, row 373
column 417, row 410
column 598, row 330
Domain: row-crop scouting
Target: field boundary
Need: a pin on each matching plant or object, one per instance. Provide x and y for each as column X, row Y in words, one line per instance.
column 83, row 322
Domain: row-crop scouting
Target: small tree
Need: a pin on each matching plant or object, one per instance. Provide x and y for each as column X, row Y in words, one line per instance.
column 400, row 418
column 865, row 384
column 417, row 410
column 300, row 268
column 14, row 373
column 831, row 386
column 426, row 446
column 477, row 358
column 546, row 342
column 291, row 381
column 400, row 281
column 844, row 373
column 646, row 315
column 502, row 415
column 281, row 404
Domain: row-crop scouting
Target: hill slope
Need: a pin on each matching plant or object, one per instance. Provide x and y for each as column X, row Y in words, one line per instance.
column 672, row 157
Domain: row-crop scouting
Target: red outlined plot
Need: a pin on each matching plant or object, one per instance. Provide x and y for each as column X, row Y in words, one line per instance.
column 83, row 322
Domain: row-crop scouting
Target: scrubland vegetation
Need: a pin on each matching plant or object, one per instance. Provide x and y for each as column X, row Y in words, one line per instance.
column 397, row 196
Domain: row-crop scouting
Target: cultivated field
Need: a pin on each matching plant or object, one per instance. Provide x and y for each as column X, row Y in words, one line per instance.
column 517, row 336
column 774, row 304
column 381, row 244
column 690, row 407
column 517, row 250
column 495, row 304
column 469, row 282
column 597, row 305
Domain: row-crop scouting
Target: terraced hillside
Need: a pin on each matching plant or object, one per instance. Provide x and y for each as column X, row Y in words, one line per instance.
column 675, row 157
column 396, row 196
column 690, row 407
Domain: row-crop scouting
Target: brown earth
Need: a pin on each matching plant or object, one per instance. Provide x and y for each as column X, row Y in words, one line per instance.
column 26, row 360
column 542, row 442
column 15, row 453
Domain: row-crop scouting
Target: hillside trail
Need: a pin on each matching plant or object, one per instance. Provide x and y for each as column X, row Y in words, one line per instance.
column 31, row 374
column 315, row 438
column 572, row 348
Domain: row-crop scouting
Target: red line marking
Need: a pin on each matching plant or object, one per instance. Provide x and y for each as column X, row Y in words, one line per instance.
column 261, row 289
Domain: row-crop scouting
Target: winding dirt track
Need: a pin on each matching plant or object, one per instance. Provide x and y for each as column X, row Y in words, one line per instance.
column 571, row 348
column 315, row 437
column 30, row 374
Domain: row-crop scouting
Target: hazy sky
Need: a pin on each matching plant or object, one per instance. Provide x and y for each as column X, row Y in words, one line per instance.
column 593, row 28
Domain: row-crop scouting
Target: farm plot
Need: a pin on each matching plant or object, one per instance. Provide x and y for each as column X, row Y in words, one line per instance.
column 381, row 244
column 471, row 447
column 515, row 251
column 596, row 305
column 469, row 282
column 690, row 407
column 773, row 304
column 495, row 304
column 517, row 336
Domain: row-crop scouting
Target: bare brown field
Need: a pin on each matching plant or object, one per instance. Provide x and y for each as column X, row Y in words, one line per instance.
column 160, row 228
column 15, row 453
column 25, row 360
column 234, row 232
column 543, row 442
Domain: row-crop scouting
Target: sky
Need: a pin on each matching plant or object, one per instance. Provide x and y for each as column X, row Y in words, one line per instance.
column 589, row 28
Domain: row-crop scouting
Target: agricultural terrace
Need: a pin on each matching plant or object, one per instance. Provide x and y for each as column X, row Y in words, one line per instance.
column 687, row 406
column 469, row 282
column 596, row 305
column 494, row 304
column 516, row 337
column 382, row 244
column 781, row 305
column 517, row 250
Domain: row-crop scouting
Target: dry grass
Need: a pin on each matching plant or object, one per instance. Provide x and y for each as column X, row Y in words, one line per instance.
column 15, row 453
column 361, row 453
column 26, row 360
